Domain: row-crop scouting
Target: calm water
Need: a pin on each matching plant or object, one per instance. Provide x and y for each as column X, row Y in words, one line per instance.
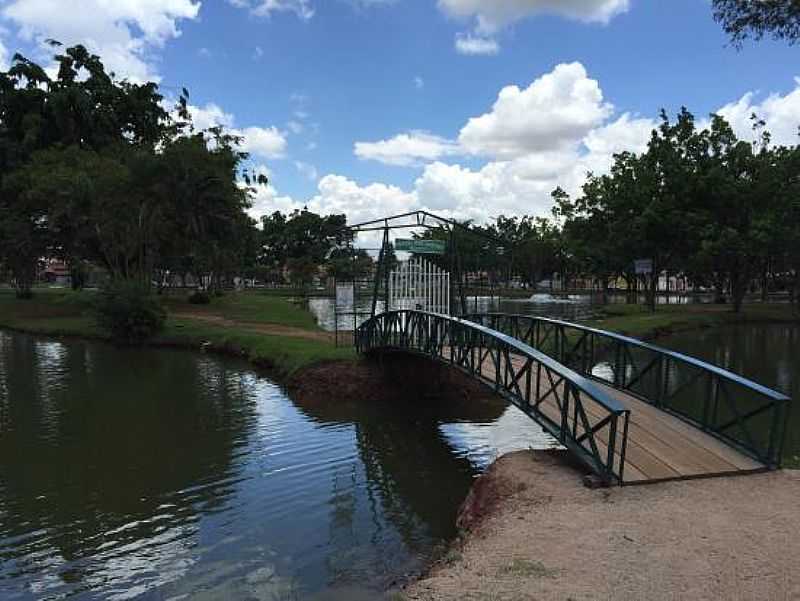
column 765, row 353
column 575, row 307
column 174, row 475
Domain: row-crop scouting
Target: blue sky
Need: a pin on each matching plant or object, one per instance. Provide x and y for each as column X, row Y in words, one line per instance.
column 376, row 106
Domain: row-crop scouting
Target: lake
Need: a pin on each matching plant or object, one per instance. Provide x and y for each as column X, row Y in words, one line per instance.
column 765, row 353
column 166, row 474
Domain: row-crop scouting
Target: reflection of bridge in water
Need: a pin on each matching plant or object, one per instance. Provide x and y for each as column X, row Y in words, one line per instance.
column 630, row 411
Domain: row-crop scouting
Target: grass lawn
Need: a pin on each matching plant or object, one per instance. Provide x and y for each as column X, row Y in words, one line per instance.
column 250, row 306
column 62, row 312
column 637, row 321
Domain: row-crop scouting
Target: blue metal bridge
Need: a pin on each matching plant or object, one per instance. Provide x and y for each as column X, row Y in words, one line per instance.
column 632, row 412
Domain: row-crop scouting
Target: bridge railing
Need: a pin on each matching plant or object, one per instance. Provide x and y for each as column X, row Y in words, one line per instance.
column 579, row 414
column 743, row 413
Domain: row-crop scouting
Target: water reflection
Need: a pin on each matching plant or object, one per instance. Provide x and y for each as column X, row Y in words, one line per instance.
column 572, row 307
column 166, row 474
column 764, row 353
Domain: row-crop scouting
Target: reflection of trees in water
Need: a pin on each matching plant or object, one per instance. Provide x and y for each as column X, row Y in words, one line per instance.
column 412, row 470
column 104, row 448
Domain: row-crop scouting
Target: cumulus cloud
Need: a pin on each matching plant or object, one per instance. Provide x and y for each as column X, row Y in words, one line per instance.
column 261, row 142
column 781, row 113
column 124, row 33
column 406, row 149
column 210, row 115
column 555, row 111
column 548, row 134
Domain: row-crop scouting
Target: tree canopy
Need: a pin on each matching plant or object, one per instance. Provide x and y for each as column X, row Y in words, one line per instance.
column 743, row 19
column 95, row 169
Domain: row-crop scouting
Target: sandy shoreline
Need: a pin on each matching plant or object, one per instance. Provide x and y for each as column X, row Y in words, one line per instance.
column 533, row 531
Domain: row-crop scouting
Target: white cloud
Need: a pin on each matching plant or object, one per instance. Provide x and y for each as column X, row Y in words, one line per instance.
column 546, row 135
column 781, row 113
column 123, row 32
column 258, row 53
column 210, row 115
column 473, row 45
column 261, row 142
column 266, row 8
column 492, row 15
column 419, row 83
column 554, row 112
column 406, row 149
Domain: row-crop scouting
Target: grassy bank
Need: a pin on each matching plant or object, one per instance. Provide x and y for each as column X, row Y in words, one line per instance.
column 242, row 325
column 639, row 322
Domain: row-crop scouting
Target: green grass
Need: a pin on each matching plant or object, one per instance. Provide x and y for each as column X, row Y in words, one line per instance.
column 60, row 312
column 638, row 322
column 284, row 354
column 250, row 306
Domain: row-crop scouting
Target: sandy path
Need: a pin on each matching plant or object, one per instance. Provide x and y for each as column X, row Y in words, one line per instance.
column 548, row 537
column 269, row 329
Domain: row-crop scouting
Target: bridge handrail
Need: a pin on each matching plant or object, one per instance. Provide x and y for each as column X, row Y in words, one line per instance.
column 779, row 402
column 716, row 369
column 430, row 333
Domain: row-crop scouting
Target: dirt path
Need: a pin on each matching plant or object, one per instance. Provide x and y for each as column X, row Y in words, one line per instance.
column 269, row 329
column 547, row 537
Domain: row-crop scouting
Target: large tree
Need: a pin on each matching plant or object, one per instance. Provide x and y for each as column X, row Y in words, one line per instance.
column 96, row 169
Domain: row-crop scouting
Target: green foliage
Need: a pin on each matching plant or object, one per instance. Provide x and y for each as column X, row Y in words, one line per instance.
column 720, row 210
column 95, row 170
column 742, row 19
column 300, row 243
column 129, row 313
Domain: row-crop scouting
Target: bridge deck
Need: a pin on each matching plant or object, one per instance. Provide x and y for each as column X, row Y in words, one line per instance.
column 660, row 446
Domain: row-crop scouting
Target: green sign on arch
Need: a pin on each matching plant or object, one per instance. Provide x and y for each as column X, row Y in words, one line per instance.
column 420, row 247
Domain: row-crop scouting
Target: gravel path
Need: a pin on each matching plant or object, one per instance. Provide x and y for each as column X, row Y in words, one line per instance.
column 538, row 533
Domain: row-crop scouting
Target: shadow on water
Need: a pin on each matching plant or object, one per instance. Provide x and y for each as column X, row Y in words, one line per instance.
column 169, row 474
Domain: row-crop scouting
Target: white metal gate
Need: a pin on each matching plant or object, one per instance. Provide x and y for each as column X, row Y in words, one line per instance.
column 421, row 285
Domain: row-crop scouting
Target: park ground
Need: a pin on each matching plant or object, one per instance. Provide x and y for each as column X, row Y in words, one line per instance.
column 532, row 531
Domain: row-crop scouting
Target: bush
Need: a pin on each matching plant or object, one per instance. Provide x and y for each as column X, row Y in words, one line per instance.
column 128, row 312
column 199, row 298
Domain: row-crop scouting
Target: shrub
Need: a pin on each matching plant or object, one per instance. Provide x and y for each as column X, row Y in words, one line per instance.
column 129, row 313
column 199, row 297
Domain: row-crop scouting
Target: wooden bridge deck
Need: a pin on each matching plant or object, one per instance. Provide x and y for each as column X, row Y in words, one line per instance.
column 660, row 446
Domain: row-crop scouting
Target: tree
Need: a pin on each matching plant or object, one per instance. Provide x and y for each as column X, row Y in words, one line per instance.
column 301, row 241
column 349, row 263
column 743, row 19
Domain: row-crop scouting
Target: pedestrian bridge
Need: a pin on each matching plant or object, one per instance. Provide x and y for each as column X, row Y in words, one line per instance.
column 630, row 411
